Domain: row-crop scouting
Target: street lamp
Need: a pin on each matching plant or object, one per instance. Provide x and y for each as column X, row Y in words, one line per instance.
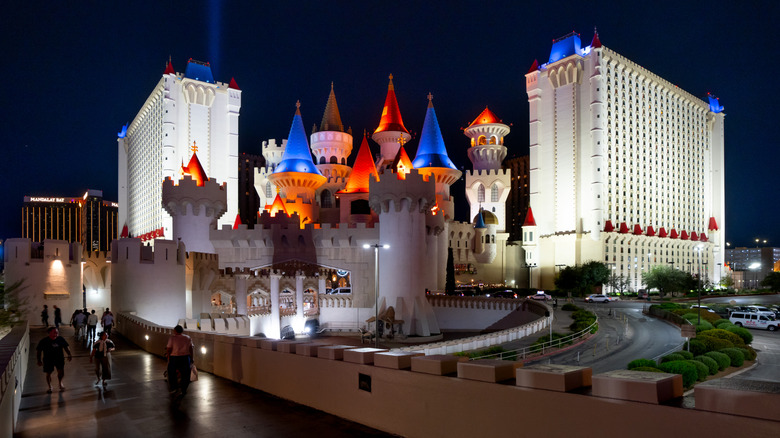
column 376, row 247
column 699, row 284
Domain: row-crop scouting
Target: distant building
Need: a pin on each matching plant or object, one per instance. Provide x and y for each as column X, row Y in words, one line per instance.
column 626, row 168
column 88, row 219
column 248, row 200
column 517, row 202
column 751, row 265
column 185, row 112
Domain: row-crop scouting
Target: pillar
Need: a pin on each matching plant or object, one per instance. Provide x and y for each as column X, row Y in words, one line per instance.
column 240, row 286
column 275, row 328
column 299, row 276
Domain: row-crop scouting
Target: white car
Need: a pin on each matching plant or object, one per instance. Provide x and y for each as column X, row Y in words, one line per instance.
column 753, row 320
column 597, row 298
column 541, row 296
column 702, row 308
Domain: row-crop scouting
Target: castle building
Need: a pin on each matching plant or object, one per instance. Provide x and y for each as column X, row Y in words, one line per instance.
column 517, row 201
column 625, row 167
column 183, row 109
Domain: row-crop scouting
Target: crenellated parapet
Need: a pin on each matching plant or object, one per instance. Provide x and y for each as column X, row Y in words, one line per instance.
column 273, row 152
column 187, row 198
column 488, row 173
column 414, row 193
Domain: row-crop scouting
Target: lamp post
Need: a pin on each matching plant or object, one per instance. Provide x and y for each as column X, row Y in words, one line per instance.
column 699, row 286
column 376, row 247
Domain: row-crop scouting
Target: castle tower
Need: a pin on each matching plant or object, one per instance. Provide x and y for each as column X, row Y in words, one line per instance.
column 296, row 176
column 488, row 185
column 485, row 248
column 391, row 132
column 402, row 206
column 272, row 152
column 354, row 197
column 331, row 144
column 196, row 203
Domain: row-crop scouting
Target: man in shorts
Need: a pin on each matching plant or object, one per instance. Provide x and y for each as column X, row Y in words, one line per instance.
column 52, row 347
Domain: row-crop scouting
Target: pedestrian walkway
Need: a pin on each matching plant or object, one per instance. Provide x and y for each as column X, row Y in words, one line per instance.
column 136, row 403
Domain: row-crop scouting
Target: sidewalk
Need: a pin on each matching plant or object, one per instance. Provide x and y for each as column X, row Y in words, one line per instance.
column 136, row 403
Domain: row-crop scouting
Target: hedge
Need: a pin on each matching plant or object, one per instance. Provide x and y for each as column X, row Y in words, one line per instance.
column 703, row 326
column 722, row 359
column 742, row 332
column 710, row 362
column 671, row 357
column 724, row 334
column 569, row 307
column 721, row 321
column 685, row 354
column 697, row 347
column 702, row 370
column 749, row 352
column 688, row 371
column 735, row 355
column 636, row 363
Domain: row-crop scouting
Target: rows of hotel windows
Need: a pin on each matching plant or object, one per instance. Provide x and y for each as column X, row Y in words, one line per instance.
column 145, row 158
column 630, row 259
column 665, row 166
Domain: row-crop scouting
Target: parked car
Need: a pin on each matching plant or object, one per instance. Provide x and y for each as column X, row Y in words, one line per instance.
column 597, row 298
column 703, row 308
column 761, row 310
column 753, row 320
column 540, row 295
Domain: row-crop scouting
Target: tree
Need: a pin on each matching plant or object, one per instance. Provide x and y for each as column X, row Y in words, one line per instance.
column 11, row 312
column 665, row 278
column 618, row 283
column 449, row 285
column 568, row 279
column 583, row 278
column 727, row 281
column 772, row 281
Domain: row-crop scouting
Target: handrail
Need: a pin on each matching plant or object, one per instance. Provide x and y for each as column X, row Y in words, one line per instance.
column 533, row 349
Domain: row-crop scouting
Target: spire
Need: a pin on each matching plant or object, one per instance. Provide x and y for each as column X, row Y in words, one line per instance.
column 331, row 119
column 486, row 116
column 713, row 224
column 534, row 67
column 529, row 219
column 276, row 206
column 237, row 222
column 431, row 151
column 233, row 84
column 596, row 43
column 391, row 115
column 362, row 170
column 125, row 232
column 297, row 155
column 402, row 164
column 480, row 220
column 195, row 169
column 169, row 68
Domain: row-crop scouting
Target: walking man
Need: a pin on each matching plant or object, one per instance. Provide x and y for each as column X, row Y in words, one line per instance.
column 57, row 316
column 108, row 321
column 78, row 324
column 52, row 347
column 179, row 352
column 100, row 350
column 45, row 315
column 92, row 321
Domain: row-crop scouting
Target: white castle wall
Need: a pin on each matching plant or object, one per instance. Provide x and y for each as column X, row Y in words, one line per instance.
column 149, row 281
column 97, row 280
column 51, row 276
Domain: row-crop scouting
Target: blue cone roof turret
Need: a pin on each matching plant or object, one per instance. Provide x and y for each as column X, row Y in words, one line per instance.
column 431, row 151
column 480, row 221
column 297, row 155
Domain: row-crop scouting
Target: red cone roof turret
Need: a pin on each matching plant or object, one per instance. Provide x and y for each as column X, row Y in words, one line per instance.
column 596, row 43
column 195, row 169
column 534, row 67
column 331, row 118
column 276, row 206
column 233, row 84
column 402, row 164
column 169, row 68
column 486, row 116
column 713, row 225
column 391, row 115
column 362, row 170
column 529, row 219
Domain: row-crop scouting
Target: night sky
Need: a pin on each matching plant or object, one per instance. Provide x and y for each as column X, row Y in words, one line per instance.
column 75, row 72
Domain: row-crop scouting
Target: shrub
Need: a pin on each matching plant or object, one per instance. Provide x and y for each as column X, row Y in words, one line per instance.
column 710, row 362
column 671, row 357
column 569, row 307
column 705, row 315
column 721, row 358
column 580, row 325
column 735, row 355
column 636, row 363
column 697, row 347
column 582, row 314
column 651, row 369
column 688, row 371
column 670, row 306
column 749, row 352
column 720, row 321
column 724, row 334
column 714, row 344
column 724, row 326
column 690, row 316
column 742, row 332
column 702, row 370
column 703, row 326
column 488, row 351
column 685, row 354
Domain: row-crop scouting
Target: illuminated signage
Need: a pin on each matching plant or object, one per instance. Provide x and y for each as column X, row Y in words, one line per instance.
column 41, row 199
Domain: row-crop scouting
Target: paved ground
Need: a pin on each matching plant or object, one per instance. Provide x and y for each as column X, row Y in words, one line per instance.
column 136, row 403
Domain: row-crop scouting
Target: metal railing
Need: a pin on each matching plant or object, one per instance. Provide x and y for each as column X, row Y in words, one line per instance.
column 540, row 349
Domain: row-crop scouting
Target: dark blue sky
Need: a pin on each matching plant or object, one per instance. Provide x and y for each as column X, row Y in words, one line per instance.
column 75, row 73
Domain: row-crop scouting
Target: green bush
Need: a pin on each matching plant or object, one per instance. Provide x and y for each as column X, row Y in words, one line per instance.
column 720, row 321
column 580, row 325
column 702, row 370
column 651, row 369
column 669, row 306
column 480, row 353
column 721, row 358
column 696, row 346
column 636, row 363
column 703, row 326
column 735, row 355
column 689, row 372
column 705, row 315
column 710, row 362
column 742, row 332
column 724, row 334
column 690, row 316
column 749, row 352
column 685, row 354
column 582, row 314
column 671, row 357
column 569, row 307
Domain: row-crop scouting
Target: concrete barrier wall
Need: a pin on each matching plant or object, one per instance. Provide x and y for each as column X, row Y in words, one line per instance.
column 14, row 357
column 421, row 405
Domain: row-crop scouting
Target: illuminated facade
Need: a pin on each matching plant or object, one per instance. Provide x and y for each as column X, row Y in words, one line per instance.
column 625, row 167
column 88, row 219
column 184, row 110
